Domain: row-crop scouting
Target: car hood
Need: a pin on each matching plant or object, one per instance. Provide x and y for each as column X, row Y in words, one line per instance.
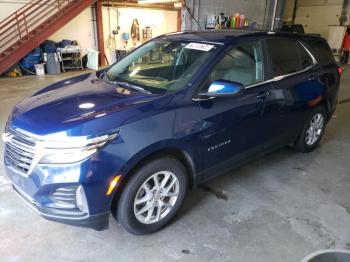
column 79, row 106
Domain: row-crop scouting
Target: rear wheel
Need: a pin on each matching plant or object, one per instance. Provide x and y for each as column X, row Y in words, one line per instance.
column 313, row 131
column 152, row 196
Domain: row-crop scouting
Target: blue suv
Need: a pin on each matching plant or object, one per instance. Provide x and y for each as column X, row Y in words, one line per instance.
column 179, row 110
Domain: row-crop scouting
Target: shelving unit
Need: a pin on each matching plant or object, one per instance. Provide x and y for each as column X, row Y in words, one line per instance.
column 71, row 60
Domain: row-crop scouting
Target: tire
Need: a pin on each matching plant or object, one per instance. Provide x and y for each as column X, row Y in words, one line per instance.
column 309, row 137
column 161, row 206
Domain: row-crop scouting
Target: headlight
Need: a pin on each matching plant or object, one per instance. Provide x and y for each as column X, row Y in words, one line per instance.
column 72, row 150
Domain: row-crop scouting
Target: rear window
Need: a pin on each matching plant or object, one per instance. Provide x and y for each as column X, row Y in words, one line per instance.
column 284, row 55
column 288, row 56
column 321, row 50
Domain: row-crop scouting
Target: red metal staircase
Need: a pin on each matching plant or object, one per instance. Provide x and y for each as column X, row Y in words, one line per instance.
column 32, row 24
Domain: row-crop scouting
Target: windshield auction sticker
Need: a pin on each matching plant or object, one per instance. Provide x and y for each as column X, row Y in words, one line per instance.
column 200, row 47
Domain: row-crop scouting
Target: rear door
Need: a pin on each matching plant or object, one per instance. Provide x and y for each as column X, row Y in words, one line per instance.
column 296, row 87
column 330, row 75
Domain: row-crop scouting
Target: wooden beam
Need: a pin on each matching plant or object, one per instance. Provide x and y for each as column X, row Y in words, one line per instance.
column 99, row 26
column 179, row 20
column 169, row 7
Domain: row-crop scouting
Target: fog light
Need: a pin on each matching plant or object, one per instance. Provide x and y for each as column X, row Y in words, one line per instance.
column 112, row 185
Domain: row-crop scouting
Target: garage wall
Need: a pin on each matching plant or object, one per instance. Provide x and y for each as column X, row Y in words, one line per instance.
column 288, row 11
column 81, row 29
column 317, row 15
column 9, row 8
column 253, row 9
column 160, row 21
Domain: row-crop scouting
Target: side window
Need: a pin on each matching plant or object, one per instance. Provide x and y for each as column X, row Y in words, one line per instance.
column 305, row 59
column 284, row 56
column 242, row 64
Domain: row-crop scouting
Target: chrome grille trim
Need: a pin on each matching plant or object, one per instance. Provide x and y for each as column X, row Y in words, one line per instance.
column 20, row 151
column 23, row 138
column 64, row 197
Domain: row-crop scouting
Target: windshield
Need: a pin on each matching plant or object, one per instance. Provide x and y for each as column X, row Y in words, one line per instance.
column 161, row 66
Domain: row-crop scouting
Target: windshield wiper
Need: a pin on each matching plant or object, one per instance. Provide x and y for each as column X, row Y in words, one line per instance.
column 130, row 86
column 104, row 76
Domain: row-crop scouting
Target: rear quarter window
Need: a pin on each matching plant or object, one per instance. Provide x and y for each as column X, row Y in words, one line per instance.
column 321, row 50
column 305, row 58
column 284, row 56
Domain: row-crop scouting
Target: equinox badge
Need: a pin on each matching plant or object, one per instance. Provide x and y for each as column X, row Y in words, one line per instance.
column 219, row 145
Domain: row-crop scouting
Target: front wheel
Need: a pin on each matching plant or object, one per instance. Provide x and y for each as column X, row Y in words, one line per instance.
column 152, row 196
column 313, row 131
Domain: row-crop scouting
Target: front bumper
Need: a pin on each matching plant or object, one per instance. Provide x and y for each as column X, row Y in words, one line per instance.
column 73, row 194
column 97, row 222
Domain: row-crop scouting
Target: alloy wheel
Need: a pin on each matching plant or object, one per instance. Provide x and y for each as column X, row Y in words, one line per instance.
column 315, row 129
column 156, row 197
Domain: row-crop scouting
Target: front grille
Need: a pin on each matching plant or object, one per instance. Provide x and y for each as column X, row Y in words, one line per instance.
column 20, row 151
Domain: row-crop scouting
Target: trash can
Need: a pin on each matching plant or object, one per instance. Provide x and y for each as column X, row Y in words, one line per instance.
column 52, row 62
column 330, row 255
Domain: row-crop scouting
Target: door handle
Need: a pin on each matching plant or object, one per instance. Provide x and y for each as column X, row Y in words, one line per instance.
column 264, row 95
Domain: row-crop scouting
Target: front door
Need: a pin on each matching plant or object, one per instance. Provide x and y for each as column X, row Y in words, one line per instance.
column 233, row 128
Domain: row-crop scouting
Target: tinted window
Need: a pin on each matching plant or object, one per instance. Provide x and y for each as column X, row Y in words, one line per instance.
column 284, row 56
column 305, row 59
column 243, row 64
column 320, row 50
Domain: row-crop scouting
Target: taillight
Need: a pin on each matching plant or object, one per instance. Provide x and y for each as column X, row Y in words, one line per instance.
column 340, row 70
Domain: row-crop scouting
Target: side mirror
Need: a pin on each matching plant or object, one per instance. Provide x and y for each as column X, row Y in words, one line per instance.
column 222, row 88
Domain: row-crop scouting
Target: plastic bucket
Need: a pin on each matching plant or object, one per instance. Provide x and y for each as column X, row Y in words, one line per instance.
column 39, row 69
column 329, row 255
column 92, row 59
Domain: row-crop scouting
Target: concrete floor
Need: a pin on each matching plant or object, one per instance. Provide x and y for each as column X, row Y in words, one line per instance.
column 280, row 208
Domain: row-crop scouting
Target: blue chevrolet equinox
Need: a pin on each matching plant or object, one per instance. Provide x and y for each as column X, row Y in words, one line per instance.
column 181, row 109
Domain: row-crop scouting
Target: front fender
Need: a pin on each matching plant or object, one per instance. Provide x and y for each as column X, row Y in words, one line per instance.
column 169, row 147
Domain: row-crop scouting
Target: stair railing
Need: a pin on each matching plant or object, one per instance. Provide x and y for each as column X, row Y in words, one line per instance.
column 19, row 25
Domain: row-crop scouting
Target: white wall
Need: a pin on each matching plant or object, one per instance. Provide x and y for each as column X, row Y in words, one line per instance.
column 9, row 8
column 160, row 21
column 80, row 29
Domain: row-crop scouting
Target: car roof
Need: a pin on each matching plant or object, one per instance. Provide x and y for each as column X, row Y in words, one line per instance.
column 225, row 36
